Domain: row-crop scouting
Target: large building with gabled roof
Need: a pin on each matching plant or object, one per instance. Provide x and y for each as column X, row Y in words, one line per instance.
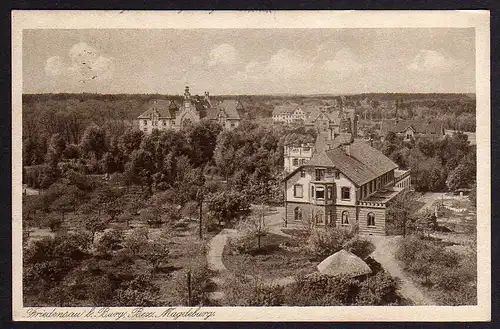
column 164, row 114
column 345, row 184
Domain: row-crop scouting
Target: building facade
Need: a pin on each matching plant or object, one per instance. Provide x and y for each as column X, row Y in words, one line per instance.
column 163, row 114
column 346, row 185
column 289, row 114
column 295, row 156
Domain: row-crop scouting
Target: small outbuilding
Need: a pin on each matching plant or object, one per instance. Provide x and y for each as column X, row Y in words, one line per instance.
column 344, row 263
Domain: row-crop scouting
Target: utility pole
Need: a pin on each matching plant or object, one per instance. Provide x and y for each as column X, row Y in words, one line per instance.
column 189, row 287
column 199, row 195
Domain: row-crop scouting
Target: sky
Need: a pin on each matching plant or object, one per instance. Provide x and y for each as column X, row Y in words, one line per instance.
column 249, row 61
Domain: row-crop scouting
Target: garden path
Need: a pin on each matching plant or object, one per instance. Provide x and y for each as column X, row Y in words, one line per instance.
column 274, row 221
column 214, row 260
column 429, row 198
column 384, row 253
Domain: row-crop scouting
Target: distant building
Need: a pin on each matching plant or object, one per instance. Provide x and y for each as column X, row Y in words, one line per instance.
column 410, row 129
column 346, row 184
column 288, row 114
column 163, row 114
column 295, row 156
column 332, row 129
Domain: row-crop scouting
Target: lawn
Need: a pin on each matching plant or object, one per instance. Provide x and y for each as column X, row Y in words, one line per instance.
column 272, row 261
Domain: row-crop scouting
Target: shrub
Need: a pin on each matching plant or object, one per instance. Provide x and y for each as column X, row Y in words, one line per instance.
column 324, row 242
column 109, row 241
column 247, row 291
column 321, row 290
column 242, row 243
column 449, row 275
column 200, row 286
column 53, row 222
column 379, row 289
column 359, row 247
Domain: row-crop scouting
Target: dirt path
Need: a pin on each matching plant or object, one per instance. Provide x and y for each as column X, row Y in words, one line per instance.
column 385, row 255
column 214, row 260
column 274, row 221
column 429, row 198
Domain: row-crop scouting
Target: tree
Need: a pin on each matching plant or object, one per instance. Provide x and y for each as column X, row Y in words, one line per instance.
column 130, row 141
column 70, row 197
column 93, row 141
column 109, row 241
column 255, row 226
column 227, row 205
column 155, row 251
column 203, row 139
column 56, row 147
column 136, row 240
column 464, row 175
column 141, row 168
column 401, row 210
column 94, row 224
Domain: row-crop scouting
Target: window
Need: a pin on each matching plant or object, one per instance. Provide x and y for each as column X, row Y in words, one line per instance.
column 295, row 162
column 302, row 161
column 164, row 122
column 145, row 122
column 329, row 192
column 233, row 125
column 365, row 190
column 319, row 217
column 145, row 128
column 370, row 219
column 297, row 214
column 297, row 191
column 320, row 174
column 320, row 192
column 302, row 173
column 312, row 191
column 346, row 193
column 337, row 175
column 345, row 218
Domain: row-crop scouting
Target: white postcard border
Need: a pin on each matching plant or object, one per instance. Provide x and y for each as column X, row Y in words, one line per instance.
column 304, row 19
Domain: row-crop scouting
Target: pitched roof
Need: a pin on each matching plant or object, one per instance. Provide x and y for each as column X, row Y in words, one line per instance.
column 287, row 108
column 345, row 263
column 233, row 108
column 162, row 106
column 421, row 127
column 322, row 142
column 363, row 165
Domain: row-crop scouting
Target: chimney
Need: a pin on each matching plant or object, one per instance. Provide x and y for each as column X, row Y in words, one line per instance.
column 347, row 149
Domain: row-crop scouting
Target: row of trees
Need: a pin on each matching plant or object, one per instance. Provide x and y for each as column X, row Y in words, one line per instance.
column 436, row 164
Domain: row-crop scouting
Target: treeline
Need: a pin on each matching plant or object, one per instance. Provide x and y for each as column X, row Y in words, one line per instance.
column 249, row 157
column 435, row 164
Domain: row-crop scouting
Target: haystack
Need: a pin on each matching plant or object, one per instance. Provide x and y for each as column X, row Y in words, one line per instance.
column 344, row 263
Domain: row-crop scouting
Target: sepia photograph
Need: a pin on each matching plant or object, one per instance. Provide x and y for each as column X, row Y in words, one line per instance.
column 189, row 168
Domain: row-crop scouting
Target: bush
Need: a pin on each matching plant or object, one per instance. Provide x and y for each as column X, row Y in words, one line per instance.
column 53, row 222
column 359, row 247
column 246, row 291
column 379, row 289
column 449, row 275
column 200, row 286
column 109, row 241
column 321, row 290
column 242, row 243
column 325, row 242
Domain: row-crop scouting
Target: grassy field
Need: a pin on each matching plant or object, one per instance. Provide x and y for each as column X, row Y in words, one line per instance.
column 272, row 261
